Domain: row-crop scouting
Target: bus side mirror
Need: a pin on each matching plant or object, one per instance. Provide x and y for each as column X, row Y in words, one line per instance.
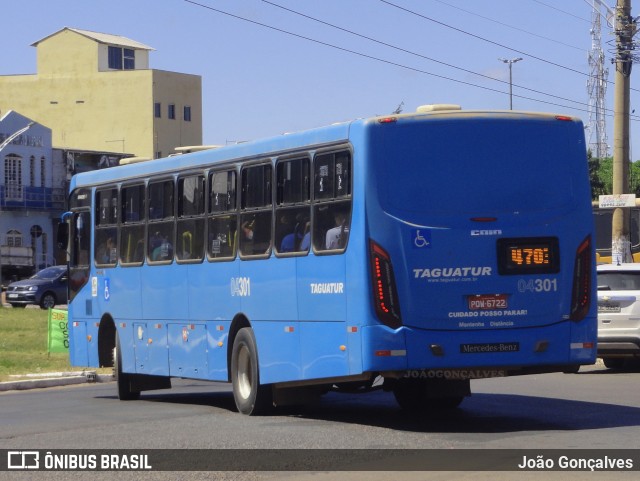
column 63, row 235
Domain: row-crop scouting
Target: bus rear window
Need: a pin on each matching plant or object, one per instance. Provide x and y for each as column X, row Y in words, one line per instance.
column 453, row 169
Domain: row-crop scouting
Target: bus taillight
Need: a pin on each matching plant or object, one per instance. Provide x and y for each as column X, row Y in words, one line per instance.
column 385, row 295
column 581, row 298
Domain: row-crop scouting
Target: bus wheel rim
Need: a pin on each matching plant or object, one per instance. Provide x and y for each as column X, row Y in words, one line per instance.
column 244, row 372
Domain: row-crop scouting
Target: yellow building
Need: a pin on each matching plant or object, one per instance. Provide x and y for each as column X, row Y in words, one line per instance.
column 97, row 92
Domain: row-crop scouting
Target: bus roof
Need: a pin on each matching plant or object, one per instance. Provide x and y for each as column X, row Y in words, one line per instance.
column 282, row 144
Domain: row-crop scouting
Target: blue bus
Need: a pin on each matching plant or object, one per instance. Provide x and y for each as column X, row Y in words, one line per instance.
column 412, row 252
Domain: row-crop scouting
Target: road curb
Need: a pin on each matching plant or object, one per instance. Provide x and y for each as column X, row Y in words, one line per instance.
column 55, row 379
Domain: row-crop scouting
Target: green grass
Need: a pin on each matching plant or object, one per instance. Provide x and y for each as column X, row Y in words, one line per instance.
column 23, row 344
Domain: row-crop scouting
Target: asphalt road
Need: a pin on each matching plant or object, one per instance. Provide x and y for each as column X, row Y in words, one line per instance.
column 594, row 409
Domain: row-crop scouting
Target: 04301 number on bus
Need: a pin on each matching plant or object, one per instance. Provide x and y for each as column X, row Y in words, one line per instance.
column 537, row 285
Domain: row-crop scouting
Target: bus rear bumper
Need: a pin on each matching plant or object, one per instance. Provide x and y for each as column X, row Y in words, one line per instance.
column 528, row 350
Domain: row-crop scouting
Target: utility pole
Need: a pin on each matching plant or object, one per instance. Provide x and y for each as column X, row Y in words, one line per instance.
column 625, row 29
column 510, row 62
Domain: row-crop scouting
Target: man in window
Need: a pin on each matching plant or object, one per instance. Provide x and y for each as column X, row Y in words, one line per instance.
column 337, row 236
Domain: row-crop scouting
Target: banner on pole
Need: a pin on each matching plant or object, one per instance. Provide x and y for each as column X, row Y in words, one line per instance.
column 617, row 200
column 58, row 331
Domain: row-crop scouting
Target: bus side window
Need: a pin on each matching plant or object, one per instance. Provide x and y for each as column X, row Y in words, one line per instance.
column 293, row 209
column 161, row 229
column 256, row 215
column 81, row 235
column 106, row 229
column 132, row 241
column 332, row 201
column 223, row 219
column 190, row 235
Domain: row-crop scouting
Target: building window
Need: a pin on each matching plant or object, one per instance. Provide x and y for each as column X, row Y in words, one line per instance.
column 122, row 58
column 129, row 56
column 13, row 177
column 14, row 238
column 43, row 171
column 171, row 113
column 157, row 110
column 32, row 171
column 115, row 58
column 187, row 113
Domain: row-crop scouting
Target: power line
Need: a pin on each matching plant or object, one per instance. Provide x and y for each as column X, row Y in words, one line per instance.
column 371, row 57
column 418, row 54
column 535, row 57
column 493, row 20
column 562, row 11
column 320, row 42
column 412, row 12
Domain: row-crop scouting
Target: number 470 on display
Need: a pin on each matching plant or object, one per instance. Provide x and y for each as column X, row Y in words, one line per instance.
column 537, row 285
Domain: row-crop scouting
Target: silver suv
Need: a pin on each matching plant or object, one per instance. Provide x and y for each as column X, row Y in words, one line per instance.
column 618, row 313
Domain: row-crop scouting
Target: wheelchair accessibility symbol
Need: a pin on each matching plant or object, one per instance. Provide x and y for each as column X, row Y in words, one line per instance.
column 107, row 293
column 421, row 239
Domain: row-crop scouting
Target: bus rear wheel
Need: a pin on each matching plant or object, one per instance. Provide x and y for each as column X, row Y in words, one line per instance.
column 123, row 380
column 251, row 398
column 613, row 362
column 423, row 395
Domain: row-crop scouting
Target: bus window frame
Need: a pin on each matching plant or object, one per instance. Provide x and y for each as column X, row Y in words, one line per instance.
column 282, row 206
column 256, row 210
column 164, row 221
column 124, row 225
column 99, row 227
column 211, row 215
column 78, row 272
column 202, row 217
column 331, row 201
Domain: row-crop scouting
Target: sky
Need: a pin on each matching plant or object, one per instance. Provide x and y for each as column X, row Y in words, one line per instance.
column 276, row 66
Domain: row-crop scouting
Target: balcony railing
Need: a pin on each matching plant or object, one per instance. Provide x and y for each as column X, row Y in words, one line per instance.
column 18, row 197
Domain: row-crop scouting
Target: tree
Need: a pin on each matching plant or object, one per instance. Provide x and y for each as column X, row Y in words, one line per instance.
column 634, row 178
column 600, row 175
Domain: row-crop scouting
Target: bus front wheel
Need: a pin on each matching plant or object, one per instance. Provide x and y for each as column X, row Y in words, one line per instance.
column 123, row 380
column 250, row 396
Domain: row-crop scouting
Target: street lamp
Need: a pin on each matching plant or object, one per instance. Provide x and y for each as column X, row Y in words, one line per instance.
column 510, row 62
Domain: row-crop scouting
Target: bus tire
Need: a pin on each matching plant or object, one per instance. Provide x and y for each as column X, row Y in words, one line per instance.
column 123, row 380
column 613, row 362
column 251, row 398
column 413, row 395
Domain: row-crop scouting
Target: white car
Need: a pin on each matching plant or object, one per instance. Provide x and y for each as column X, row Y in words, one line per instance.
column 618, row 313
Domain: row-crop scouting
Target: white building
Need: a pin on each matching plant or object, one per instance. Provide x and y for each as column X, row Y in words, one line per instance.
column 32, row 196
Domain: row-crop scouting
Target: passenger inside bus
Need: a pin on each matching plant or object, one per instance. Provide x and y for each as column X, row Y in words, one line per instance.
column 161, row 248
column 107, row 252
column 336, row 237
column 296, row 228
column 255, row 234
